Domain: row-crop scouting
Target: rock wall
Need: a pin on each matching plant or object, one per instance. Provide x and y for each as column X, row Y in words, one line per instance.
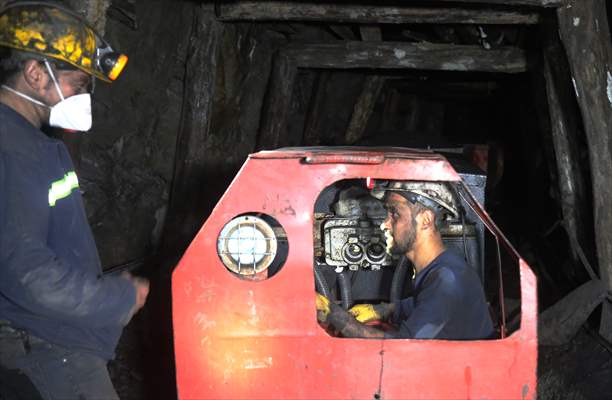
column 126, row 161
column 93, row 10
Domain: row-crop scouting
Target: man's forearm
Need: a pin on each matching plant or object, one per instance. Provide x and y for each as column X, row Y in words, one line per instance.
column 385, row 310
column 356, row 329
column 350, row 327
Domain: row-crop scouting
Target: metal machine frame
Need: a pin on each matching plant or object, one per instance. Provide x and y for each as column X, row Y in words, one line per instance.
column 259, row 339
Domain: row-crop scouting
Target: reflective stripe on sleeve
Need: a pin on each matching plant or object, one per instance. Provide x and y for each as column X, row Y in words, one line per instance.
column 63, row 187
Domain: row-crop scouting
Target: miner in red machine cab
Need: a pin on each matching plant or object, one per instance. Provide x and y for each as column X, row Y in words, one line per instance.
column 447, row 299
column 60, row 318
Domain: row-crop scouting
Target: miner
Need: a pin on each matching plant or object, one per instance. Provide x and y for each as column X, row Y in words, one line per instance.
column 60, row 319
column 448, row 299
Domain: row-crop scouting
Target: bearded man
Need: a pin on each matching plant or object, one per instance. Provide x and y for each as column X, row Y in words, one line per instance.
column 448, row 300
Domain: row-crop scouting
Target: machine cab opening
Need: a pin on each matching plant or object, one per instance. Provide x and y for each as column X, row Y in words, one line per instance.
column 353, row 265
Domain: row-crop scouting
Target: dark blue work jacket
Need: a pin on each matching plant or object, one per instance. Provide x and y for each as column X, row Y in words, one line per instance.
column 448, row 303
column 50, row 273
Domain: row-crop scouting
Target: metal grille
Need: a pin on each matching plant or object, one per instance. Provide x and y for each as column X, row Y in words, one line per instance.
column 247, row 245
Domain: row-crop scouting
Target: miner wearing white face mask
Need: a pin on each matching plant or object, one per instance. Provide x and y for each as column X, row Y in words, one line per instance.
column 448, row 300
column 60, row 319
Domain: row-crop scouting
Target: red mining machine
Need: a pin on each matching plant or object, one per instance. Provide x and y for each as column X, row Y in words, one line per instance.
column 245, row 322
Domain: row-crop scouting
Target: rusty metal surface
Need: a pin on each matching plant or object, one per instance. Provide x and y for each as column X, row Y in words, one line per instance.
column 261, row 340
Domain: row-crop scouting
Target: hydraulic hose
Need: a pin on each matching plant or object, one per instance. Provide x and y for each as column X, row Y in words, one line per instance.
column 463, row 234
column 399, row 279
column 321, row 284
column 346, row 295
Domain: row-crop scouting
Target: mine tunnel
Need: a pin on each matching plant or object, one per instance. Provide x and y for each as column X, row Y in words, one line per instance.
column 517, row 89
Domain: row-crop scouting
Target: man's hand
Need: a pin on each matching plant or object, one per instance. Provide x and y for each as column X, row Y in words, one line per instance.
column 322, row 308
column 365, row 313
column 342, row 321
column 142, row 290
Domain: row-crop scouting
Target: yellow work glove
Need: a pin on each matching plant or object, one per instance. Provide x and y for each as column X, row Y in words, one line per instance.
column 322, row 307
column 365, row 313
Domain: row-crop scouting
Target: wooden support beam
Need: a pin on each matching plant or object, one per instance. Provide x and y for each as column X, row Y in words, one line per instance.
column 584, row 30
column 364, row 107
column 372, row 86
column 445, row 90
column 277, row 102
column 371, row 14
column 400, row 55
column 532, row 3
column 370, row 55
column 563, row 113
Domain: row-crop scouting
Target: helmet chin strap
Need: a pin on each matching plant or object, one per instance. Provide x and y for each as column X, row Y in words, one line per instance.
column 25, row 96
column 33, row 100
column 73, row 112
column 52, row 75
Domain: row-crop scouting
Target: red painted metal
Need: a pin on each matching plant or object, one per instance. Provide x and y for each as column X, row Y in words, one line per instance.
column 259, row 340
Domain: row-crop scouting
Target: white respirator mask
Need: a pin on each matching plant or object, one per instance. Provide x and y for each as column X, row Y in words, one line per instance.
column 73, row 113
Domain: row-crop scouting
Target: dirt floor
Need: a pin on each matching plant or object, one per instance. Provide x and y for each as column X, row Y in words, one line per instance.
column 579, row 370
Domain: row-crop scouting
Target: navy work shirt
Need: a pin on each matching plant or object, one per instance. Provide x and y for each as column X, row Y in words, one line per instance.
column 448, row 303
column 50, row 273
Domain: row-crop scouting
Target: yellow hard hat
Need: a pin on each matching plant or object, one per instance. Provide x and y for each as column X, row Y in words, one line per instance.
column 54, row 31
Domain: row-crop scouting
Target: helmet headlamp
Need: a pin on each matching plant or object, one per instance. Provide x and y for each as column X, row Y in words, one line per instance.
column 111, row 63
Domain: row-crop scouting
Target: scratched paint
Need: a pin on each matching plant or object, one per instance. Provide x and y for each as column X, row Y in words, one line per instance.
column 288, row 210
column 525, row 391
column 203, row 322
column 339, row 170
column 258, row 364
column 188, row 288
column 576, row 21
column 206, row 296
column 274, row 205
column 609, row 88
column 253, row 316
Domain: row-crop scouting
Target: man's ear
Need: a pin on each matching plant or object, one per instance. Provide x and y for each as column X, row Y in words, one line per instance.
column 34, row 75
column 428, row 219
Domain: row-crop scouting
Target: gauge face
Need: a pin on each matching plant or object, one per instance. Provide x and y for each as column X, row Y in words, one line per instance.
column 247, row 245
